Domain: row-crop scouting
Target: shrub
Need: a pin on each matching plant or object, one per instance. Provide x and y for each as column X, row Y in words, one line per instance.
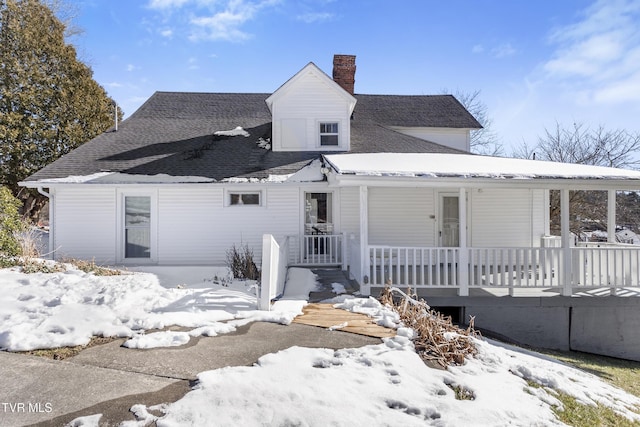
column 240, row 262
column 11, row 224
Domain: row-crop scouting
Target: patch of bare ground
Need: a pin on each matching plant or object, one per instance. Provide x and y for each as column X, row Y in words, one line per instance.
column 62, row 353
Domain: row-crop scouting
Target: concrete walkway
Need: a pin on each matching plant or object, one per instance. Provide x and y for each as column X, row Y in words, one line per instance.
column 109, row 379
column 326, row 278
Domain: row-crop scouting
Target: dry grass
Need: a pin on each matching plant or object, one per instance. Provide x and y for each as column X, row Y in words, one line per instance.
column 92, row 267
column 618, row 372
column 438, row 339
column 62, row 353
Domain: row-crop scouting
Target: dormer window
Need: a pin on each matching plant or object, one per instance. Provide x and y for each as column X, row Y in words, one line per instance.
column 329, row 134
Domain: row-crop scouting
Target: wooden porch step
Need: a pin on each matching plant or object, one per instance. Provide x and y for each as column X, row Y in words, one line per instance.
column 326, row 316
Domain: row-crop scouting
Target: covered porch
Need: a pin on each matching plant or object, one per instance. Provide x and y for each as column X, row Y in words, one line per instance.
column 459, row 255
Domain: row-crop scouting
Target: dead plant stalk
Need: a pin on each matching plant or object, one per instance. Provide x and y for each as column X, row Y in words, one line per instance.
column 437, row 338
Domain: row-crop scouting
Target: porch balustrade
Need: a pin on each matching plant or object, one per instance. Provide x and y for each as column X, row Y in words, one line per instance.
column 320, row 250
column 592, row 266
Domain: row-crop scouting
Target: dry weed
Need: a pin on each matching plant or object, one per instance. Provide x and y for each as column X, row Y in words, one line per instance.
column 438, row 339
column 92, row 267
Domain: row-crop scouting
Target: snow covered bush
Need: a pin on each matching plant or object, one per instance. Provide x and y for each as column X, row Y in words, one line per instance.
column 240, row 262
column 11, row 224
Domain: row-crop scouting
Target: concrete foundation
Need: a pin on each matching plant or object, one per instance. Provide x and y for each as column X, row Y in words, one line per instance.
column 605, row 325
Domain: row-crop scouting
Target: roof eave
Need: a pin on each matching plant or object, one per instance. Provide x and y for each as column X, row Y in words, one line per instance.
column 472, row 182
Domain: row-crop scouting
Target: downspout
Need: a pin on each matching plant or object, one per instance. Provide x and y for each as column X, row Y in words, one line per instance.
column 51, row 220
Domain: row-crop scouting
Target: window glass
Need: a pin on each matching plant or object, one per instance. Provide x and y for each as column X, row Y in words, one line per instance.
column 244, row 198
column 329, row 134
column 318, row 213
column 137, row 227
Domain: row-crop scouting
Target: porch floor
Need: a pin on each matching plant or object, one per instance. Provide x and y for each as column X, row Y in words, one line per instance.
column 517, row 292
column 328, row 276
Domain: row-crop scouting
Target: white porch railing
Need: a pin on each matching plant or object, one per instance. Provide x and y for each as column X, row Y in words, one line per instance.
column 321, row 249
column 411, row 266
column 606, row 266
column 515, row 267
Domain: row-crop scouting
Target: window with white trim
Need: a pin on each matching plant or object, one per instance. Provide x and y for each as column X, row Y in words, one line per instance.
column 329, row 134
column 244, row 198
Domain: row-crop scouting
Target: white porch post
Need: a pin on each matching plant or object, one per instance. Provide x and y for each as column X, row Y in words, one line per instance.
column 611, row 216
column 463, row 261
column 566, row 274
column 611, row 224
column 365, row 288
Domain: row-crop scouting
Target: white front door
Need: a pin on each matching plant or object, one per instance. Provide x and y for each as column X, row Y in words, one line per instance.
column 449, row 220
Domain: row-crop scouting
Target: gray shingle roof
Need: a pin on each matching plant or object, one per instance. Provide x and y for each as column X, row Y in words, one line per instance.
column 172, row 133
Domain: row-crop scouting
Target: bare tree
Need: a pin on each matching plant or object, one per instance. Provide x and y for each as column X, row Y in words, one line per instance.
column 580, row 144
column 485, row 140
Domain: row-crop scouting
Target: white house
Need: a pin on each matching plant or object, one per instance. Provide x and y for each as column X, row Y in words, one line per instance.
column 382, row 185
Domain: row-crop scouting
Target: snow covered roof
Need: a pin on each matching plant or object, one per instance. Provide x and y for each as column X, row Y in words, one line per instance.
column 440, row 165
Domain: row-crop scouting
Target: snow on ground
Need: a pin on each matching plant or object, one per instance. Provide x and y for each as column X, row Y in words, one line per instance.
column 338, row 288
column 384, row 384
column 67, row 309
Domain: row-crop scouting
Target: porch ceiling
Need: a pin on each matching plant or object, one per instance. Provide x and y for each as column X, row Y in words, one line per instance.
column 472, row 170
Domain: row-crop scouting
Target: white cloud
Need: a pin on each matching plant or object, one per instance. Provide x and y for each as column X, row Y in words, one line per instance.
column 224, row 23
column 599, row 56
column 503, row 50
column 477, row 48
column 131, row 67
column 192, row 63
column 114, row 85
column 166, row 4
column 208, row 19
column 314, row 17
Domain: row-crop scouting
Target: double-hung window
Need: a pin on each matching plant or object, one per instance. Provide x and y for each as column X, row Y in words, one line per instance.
column 329, row 134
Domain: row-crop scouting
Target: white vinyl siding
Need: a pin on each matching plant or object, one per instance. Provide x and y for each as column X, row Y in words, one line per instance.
column 401, row 216
column 459, row 139
column 186, row 225
column 350, row 210
column 300, row 110
column 85, row 224
column 505, row 218
column 195, row 227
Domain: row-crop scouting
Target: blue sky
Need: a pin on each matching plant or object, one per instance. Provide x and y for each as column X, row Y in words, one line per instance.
column 535, row 62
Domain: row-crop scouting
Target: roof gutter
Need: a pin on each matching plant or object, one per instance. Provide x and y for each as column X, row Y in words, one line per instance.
column 620, row 184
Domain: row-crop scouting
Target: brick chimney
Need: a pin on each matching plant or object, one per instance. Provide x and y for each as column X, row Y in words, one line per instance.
column 344, row 71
